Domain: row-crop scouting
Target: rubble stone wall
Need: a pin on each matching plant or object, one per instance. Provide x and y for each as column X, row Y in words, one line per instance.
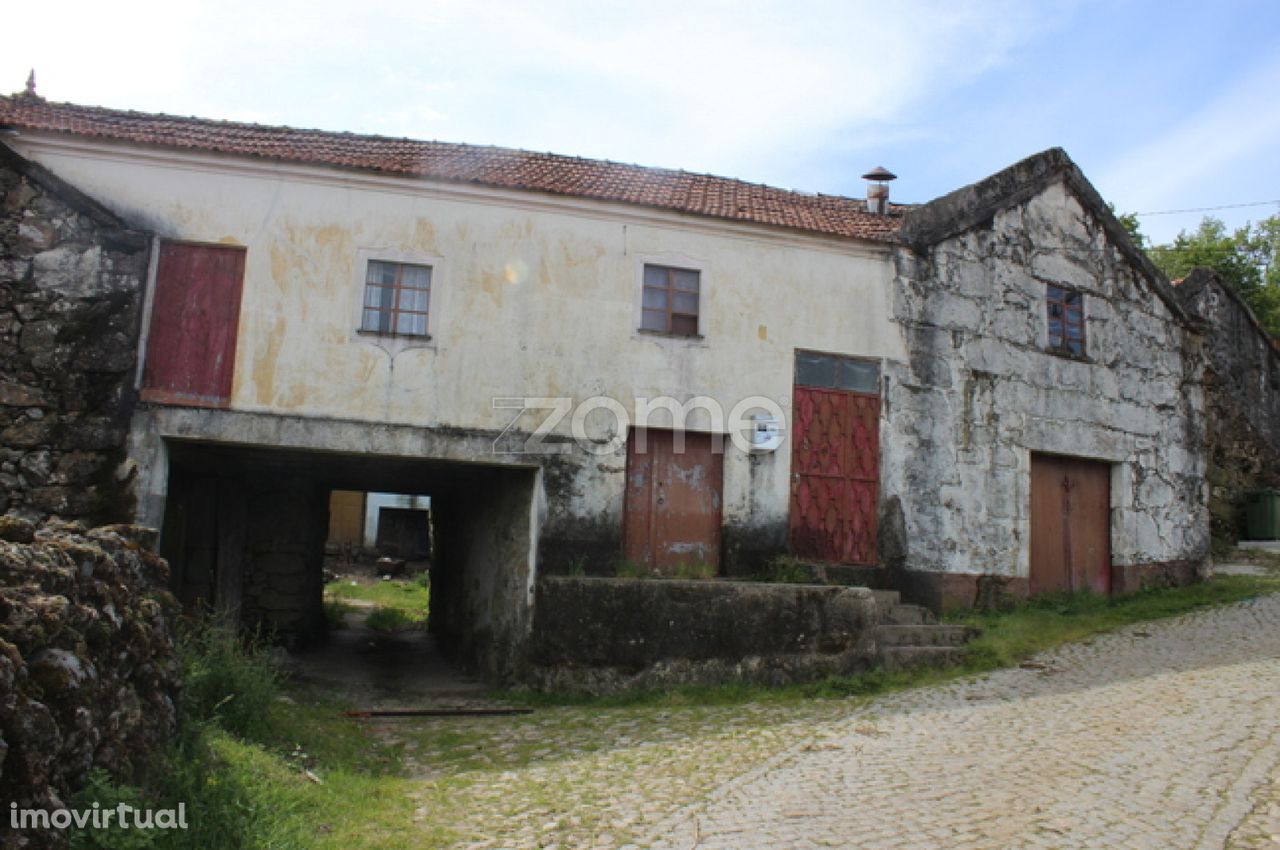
column 88, row 671
column 72, row 278
column 1243, row 384
column 603, row 635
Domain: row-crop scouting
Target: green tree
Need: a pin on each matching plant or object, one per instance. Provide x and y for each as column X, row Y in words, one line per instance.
column 1248, row 260
column 1129, row 221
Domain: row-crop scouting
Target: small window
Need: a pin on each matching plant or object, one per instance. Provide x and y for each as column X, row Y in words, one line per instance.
column 833, row 372
column 397, row 298
column 670, row 303
column 1066, row 320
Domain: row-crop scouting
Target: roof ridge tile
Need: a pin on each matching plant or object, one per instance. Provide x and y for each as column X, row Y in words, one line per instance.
column 678, row 190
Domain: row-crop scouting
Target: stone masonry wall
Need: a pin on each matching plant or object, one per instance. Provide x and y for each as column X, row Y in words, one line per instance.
column 981, row 393
column 602, row 635
column 1243, row 384
column 71, row 283
column 88, row 670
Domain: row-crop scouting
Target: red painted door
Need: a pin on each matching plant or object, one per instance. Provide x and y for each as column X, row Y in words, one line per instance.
column 195, row 315
column 835, row 459
column 1070, row 525
column 672, row 508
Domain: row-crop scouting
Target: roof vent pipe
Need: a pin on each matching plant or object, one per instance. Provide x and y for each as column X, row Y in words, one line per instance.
column 878, row 189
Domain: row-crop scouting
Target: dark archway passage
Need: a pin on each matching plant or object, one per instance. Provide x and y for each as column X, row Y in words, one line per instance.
column 245, row 528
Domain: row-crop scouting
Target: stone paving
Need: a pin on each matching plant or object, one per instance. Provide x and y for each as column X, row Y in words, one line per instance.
column 1165, row 735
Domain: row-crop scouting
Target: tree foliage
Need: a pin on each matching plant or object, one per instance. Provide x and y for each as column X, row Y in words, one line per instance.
column 1247, row 259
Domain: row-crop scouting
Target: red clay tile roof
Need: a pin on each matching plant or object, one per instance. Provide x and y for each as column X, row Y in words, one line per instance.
column 681, row 191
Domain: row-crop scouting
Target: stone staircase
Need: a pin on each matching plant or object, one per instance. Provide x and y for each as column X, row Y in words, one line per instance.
column 909, row 637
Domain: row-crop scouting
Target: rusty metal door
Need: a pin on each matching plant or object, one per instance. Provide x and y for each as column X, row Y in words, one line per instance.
column 672, row 502
column 1070, row 525
column 195, row 316
column 835, row 459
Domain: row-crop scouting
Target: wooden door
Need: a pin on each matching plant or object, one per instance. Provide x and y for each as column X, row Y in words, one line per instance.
column 1070, row 525
column 672, row 508
column 835, row 459
column 195, row 316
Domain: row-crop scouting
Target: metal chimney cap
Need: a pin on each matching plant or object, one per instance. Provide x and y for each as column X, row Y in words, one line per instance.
column 881, row 174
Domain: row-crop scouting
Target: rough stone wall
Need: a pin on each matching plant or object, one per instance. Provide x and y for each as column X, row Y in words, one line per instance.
column 482, row 581
column 282, row 582
column 601, row 635
column 980, row 392
column 1243, row 383
column 71, row 284
column 88, row 673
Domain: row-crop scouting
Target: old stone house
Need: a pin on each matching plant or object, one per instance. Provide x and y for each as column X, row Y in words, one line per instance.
column 992, row 392
column 1242, row 398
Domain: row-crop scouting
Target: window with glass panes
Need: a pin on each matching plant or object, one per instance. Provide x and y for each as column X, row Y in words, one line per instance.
column 397, row 298
column 670, row 302
column 1066, row 320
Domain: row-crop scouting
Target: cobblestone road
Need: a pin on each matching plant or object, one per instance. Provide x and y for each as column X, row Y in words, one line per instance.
column 1164, row 736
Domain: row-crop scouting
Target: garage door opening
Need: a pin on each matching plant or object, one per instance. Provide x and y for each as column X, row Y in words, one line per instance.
column 250, row 531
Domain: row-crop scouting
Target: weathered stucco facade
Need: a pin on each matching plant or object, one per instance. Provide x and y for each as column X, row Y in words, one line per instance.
column 907, row 356
column 532, row 297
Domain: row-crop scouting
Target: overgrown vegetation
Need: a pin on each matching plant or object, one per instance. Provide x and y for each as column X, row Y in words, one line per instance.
column 1049, row 621
column 390, row 620
column 228, row 680
column 688, row 571
column 265, row 764
column 255, row 767
column 785, row 569
column 697, row 571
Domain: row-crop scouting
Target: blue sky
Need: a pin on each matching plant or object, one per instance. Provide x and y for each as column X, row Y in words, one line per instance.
column 1164, row 105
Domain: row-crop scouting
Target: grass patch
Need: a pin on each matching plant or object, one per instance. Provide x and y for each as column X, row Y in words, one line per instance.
column 228, row 680
column 387, row 620
column 1040, row 624
column 411, row 598
column 697, row 571
column 624, row 568
column 257, row 768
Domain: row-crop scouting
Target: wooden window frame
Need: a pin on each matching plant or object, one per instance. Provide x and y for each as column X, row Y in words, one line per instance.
column 838, row 361
column 670, row 290
column 1071, row 316
column 395, row 311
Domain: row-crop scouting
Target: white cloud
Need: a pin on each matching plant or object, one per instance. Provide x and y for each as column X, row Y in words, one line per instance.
column 1210, row 157
column 733, row 86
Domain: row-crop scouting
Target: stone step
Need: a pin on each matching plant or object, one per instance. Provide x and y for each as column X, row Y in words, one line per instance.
column 886, row 598
column 901, row 658
column 923, row 635
column 907, row 615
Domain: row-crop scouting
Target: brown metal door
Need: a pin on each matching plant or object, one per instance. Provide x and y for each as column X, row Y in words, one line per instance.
column 1070, row 524
column 835, row 460
column 195, row 316
column 672, row 508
